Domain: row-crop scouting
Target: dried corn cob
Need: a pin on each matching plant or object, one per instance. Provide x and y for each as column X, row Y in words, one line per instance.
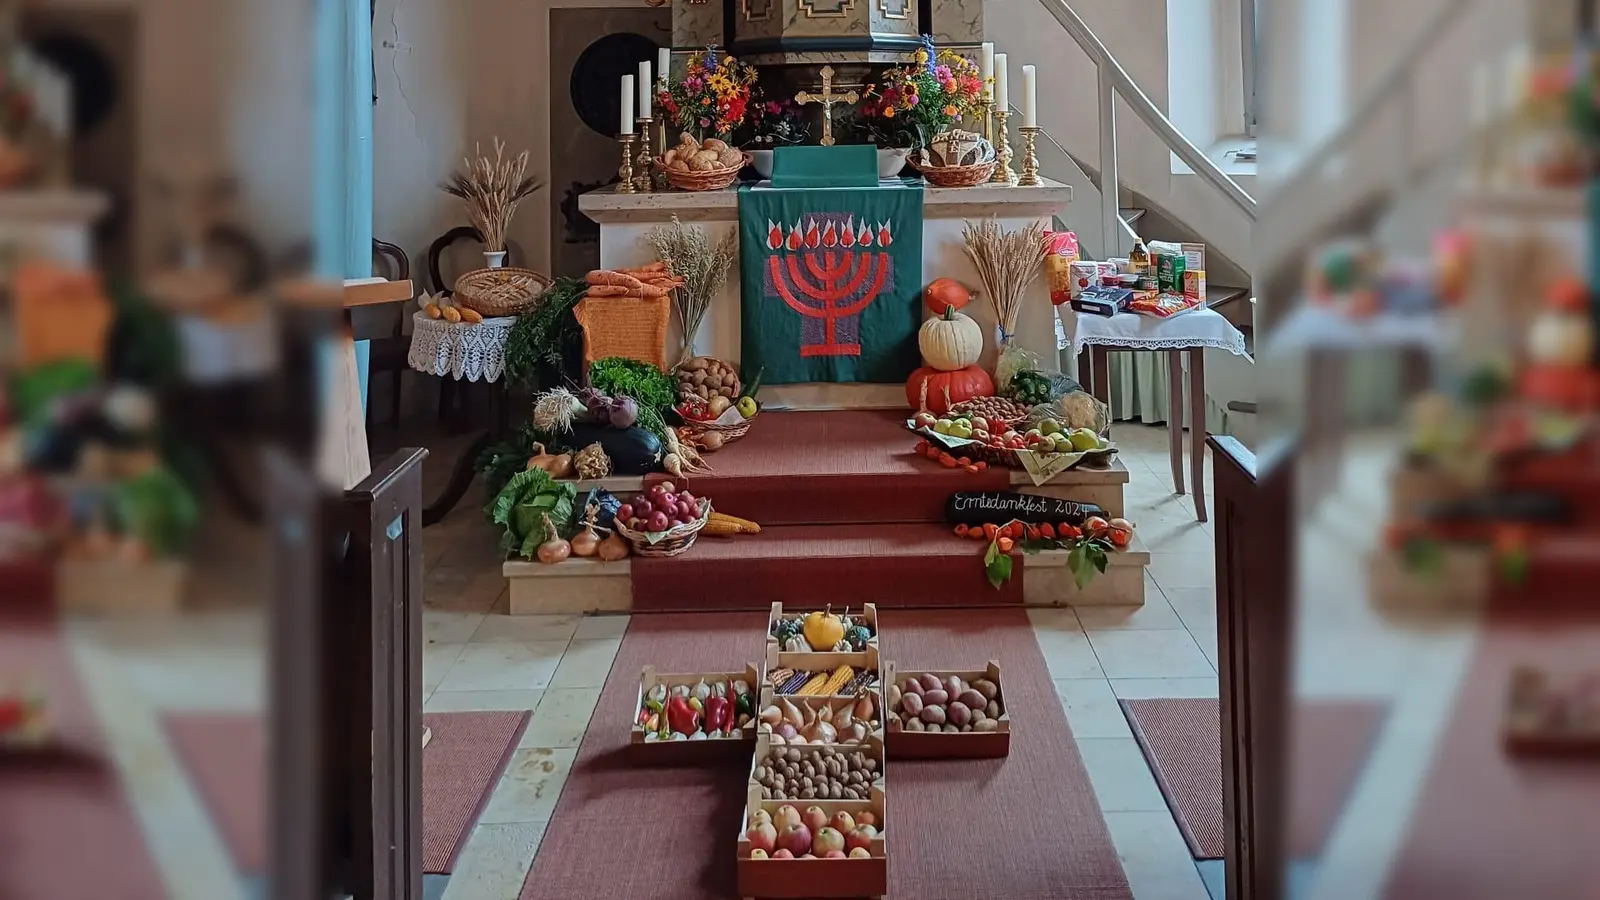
column 794, row 682
column 860, row 681
column 779, row 676
column 837, row 681
column 814, row 685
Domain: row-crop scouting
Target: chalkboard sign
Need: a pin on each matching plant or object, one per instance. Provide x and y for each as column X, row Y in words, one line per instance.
column 999, row 507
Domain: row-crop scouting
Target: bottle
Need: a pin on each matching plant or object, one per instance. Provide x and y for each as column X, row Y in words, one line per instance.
column 1138, row 258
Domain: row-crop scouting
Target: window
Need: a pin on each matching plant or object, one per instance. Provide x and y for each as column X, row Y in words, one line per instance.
column 1247, row 46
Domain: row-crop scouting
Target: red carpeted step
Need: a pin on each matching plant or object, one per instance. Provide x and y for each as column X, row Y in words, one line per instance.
column 808, row 565
column 833, row 467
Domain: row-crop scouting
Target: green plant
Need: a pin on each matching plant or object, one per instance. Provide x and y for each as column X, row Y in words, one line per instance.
column 544, row 340
column 651, row 388
column 156, row 508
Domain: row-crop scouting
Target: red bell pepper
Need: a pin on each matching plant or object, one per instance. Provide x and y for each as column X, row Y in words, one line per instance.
column 680, row 718
column 717, row 714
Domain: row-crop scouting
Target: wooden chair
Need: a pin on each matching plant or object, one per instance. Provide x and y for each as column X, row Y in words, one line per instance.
column 387, row 355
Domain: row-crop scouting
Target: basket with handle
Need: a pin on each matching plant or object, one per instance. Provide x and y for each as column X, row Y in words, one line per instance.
column 671, row 542
column 624, row 326
column 705, row 180
column 730, row 432
column 507, row 291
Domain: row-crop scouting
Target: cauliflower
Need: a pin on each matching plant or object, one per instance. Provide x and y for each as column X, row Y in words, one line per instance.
column 1080, row 410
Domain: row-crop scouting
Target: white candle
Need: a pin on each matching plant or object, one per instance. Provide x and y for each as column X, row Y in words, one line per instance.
column 1030, row 97
column 663, row 63
column 1002, row 99
column 627, row 105
column 645, row 86
column 986, row 64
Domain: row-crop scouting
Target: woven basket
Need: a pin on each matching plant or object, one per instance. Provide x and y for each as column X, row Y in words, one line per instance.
column 956, row 176
column 730, row 433
column 708, row 180
column 507, row 291
column 624, row 326
column 676, row 539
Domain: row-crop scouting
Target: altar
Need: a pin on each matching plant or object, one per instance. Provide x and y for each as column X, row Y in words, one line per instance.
column 625, row 219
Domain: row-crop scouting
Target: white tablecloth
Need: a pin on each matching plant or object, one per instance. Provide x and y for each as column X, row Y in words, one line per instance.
column 459, row 349
column 1201, row 328
column 1317, row 328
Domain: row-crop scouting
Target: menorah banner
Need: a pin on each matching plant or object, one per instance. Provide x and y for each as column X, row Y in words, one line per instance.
column 829, row 283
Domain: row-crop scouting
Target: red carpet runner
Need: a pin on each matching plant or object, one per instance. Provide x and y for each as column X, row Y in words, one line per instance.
column 1022, row 828
column 848, row 514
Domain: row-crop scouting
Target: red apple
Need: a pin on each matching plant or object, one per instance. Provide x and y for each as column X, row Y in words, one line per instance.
column 786, row 814
column 763, row 837
column 979, row 423
column 861, row 837
column 866, row 818
column 924, row 420
column 795, row 838
column 842, row 822
column 860, row 853
column 758, row 853
column 814, row 818
column 782, row 854
column 979, row 434
column 833, row 854
column 827, row 839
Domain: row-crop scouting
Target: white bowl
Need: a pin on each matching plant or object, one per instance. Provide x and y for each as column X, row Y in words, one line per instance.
column 761, row 161
column 890, row 162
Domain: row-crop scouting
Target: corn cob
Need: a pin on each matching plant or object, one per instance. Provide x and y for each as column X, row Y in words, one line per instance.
column 723, row 524
column 814, row 685
column 837, row 680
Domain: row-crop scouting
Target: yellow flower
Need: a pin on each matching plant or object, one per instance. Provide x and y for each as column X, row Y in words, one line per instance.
column 921, row 56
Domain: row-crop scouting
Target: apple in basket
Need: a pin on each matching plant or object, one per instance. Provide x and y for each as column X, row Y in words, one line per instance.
column 660, row 508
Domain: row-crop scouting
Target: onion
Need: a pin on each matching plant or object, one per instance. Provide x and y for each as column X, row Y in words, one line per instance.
column 585, row 542
column 788, row 732
column 612, row 548
column 554, row 549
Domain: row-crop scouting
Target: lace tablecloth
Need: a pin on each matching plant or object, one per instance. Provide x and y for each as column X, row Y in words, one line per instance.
column 459, row 349
column 1201, row 328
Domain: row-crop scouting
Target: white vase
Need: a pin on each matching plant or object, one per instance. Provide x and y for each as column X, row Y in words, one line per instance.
column 890, row 162
column 494, row 259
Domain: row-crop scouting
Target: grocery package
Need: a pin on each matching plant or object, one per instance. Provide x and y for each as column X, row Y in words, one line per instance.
column 1061, row 255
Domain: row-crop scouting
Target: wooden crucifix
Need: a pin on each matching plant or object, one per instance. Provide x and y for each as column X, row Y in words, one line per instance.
column 827, row 98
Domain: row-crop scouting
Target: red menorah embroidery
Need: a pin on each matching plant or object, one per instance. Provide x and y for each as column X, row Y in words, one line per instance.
column 829, row 274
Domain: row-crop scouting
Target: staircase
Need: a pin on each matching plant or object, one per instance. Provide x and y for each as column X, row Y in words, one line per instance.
column 849, row 514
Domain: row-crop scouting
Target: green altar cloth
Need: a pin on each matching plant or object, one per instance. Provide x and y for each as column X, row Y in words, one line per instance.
column 830, row 282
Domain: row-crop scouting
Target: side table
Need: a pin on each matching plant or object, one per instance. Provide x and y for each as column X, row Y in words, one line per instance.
column 1186, row 334
column 471, row 352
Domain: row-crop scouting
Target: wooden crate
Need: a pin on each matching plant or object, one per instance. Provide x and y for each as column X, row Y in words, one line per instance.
column 116, row 586
column 901, row 744
column 816, row 662
column 873, row 746
column 807, row 878
column 778, row 658
column 674, row 752
column 769, row 698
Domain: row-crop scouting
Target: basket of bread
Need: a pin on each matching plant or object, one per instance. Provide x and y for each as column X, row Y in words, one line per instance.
column 708, row 165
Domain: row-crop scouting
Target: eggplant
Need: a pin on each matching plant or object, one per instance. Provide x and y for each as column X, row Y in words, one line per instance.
column 633, row 451
column 1000, row 507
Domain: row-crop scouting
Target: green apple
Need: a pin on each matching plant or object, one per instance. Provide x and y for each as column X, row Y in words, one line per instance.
column 1049, row 426
column 964, row 421
column 960, row 430
column 1062, row 443
column 941, row 427
column 1083, row 439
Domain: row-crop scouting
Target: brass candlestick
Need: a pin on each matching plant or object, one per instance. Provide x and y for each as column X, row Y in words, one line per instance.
column 625, row 171
column 1030, row 161
column 660, row 177
column 1002, row 152
column 986, row 123
column 641, row 164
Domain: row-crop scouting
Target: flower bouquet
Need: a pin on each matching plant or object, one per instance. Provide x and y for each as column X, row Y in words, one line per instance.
column 912, row 103
column 713, row 97
column 771, row 124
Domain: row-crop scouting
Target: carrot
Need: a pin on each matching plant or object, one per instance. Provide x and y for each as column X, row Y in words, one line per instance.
column 991, row 530
column 606, row 290
column 1005, row 544
column 656, row 268
column 961, row 531
column 607, row 277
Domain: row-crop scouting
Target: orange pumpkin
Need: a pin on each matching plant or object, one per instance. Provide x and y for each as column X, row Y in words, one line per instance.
column 943, row 292
column 945, row 388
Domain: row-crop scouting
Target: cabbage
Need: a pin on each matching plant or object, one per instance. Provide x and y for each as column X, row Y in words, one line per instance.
column 521, row 505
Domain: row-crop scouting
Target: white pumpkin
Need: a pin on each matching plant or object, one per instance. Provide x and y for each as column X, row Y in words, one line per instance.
column 951, row 341
column 1560, row 339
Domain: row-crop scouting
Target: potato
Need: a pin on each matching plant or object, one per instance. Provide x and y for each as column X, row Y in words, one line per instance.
column 987, row 725
column 766, row 793
column 958, row 713
column 987, row 688
column 913, row 686
column 933, row 715
column 966, row 728
column 893, row 696
column 930, row 682
column 993, row 709
column 951, row 729
column 915, row 725
column 911, row 704
column 972, row 699
column 954, row 686
column 937, row 697
column 792, row 754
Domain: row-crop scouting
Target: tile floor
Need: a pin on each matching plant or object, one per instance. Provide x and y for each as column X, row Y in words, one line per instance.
column 478, row 658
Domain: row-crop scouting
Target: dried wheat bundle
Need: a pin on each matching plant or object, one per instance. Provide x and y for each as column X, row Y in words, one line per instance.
column 1007, row 262
column 491, row 189
column 689, row 254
